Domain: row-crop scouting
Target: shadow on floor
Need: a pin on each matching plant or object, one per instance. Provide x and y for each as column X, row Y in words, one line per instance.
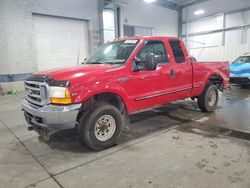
column 181, row 113
column 142, row 124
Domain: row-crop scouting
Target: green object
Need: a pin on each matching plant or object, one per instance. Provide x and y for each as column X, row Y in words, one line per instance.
column 14, row 92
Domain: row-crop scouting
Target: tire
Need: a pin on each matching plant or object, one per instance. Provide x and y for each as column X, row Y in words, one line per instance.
column 208, row 100
column 101, row 127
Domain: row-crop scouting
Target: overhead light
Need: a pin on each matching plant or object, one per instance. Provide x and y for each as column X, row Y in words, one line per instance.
column 149, row 1
column 199, row 12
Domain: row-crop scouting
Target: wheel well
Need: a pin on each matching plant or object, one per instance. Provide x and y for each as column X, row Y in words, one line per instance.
column 109, row 98
column 217, row 81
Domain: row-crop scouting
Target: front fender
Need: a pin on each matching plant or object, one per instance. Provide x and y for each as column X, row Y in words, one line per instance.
column 91, row 90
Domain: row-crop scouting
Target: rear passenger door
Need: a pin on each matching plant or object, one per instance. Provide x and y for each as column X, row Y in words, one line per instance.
column 181, row 69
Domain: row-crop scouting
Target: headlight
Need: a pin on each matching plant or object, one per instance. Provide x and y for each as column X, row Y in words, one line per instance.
column 59, row 95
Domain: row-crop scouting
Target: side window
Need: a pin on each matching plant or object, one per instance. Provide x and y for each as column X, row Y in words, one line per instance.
column 177, row 51
column 155, row 47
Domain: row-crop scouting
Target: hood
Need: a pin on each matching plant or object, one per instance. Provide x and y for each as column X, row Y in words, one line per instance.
column 240, row 70
column 71, row 73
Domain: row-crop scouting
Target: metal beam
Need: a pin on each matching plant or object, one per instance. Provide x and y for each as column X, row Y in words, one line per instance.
column 193, row 2
column 217, row 31
column 180, row 23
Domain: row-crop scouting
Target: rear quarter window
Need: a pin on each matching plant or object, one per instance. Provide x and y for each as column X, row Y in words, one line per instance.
column 177, row 51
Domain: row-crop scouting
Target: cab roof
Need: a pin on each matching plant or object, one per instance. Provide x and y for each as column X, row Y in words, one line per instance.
column 146, row 38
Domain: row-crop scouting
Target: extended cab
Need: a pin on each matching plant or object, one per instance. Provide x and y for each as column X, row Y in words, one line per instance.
column 118, row 79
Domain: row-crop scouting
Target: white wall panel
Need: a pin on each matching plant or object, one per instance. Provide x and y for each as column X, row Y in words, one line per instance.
column 229, row 53
column 247, row 17
column 233, row 20
column 209, row 24
column 207, row 40
column 247, row 36
column 233, row 37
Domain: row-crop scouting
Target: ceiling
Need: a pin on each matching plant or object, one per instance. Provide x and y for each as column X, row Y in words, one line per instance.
column 172, row 4
column 178, row 4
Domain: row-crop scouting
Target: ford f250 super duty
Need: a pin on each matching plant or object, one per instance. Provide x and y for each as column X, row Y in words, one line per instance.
column 120, row 78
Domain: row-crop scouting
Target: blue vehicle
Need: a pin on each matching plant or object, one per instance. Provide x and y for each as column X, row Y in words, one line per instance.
column 240, row 71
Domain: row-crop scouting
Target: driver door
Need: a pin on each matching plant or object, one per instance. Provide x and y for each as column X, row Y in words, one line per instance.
column 147, row 86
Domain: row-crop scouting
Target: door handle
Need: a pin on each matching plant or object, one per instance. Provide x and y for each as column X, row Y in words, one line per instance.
column 172, row 73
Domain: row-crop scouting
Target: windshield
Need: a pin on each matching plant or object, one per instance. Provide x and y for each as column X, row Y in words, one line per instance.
column 113, row 53
column 242, row 59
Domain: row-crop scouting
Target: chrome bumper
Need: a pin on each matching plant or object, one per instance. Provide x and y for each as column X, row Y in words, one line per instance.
column 52, row 117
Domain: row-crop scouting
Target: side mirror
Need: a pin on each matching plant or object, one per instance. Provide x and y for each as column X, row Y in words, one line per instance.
column 150, row 62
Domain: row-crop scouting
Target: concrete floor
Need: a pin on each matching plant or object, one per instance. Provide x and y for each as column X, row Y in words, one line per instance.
column 171, row 146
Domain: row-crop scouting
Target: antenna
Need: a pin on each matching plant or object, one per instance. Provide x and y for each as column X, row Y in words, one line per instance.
column 79, row 46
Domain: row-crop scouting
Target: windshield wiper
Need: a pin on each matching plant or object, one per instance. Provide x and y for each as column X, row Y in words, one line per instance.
column 113, row 62
column 96, row 62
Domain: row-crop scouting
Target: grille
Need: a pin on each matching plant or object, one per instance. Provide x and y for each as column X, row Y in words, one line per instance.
column 36, row 93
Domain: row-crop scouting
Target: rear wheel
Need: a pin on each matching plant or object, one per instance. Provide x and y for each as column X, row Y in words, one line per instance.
column 208, row 100
column 101, row 127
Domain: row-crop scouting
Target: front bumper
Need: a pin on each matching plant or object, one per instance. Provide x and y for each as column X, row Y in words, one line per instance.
column 52, row 117
column 240, row 80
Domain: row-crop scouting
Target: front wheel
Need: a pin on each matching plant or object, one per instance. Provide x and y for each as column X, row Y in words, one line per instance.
column 101, row 127
column 208, row 100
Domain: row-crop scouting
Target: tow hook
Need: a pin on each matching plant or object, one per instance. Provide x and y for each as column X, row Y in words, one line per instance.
column 44, row 134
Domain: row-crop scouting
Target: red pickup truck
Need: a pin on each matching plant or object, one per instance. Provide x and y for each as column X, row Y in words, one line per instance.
column 118, row 79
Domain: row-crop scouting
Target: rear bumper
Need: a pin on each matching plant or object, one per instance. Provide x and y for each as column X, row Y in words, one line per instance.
column 52, row 117
column 240, row 80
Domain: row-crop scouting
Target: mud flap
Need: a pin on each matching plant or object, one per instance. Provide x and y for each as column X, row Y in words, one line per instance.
column 127, row 121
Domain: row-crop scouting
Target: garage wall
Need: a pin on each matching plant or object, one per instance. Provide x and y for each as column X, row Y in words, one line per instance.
column 16, row 28
column 221, row 33
column 15, row 37
column 59, row 42
column 163, row 21
column 18, row 53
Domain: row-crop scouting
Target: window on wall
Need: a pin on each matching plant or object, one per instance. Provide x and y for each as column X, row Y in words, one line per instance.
column 131, row 31
column 108, row 25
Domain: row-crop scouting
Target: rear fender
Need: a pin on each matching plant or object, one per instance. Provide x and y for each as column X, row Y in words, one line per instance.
column 215, row 79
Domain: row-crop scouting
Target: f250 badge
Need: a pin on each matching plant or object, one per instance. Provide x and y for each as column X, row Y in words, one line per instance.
column 124, row 79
